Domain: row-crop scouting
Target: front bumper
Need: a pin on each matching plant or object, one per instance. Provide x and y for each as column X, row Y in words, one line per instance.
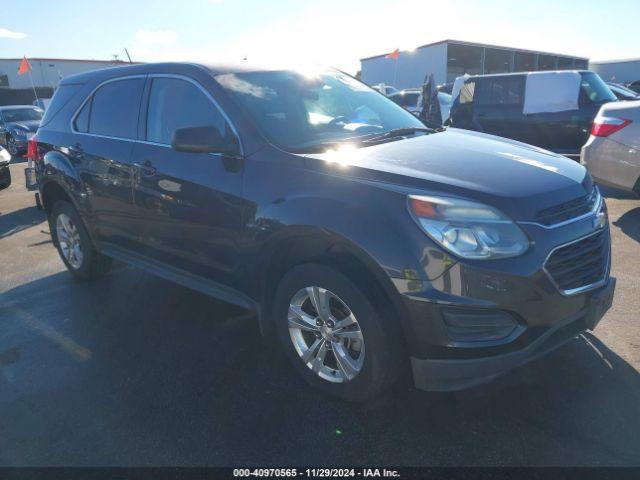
column 454, row 374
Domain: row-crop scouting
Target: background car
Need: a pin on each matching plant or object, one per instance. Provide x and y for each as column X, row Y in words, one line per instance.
column 499, row 105
column 385, row 89
column 411, row 99
column 635, row 86
column 612, row 154
column 5, row 173
column 18, row 123
column 622, row 92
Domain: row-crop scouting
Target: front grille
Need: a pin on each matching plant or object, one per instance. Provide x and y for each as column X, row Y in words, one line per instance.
column 568, row 210
column 581, row 263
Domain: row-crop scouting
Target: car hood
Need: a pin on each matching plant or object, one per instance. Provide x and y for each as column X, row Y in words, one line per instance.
column 515, row 177
column 27, row 125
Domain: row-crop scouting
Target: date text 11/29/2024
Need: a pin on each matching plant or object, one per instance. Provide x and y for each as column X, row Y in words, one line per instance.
column 316, row 472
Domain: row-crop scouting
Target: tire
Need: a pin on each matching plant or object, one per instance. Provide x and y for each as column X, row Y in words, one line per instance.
column 379, row 340
column 12, row 148
column 89, row 264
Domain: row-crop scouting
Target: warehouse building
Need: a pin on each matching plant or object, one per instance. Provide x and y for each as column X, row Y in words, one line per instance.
column 449, row 59
column 619, row 71
column 45, row 73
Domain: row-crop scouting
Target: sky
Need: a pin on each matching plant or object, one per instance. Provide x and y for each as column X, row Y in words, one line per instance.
column 328, row 32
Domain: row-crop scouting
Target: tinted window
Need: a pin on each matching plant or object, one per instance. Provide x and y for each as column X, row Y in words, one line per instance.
column 81, row 123
column 61, row 97
column 115, row 107
column 497, row 61
column 501, row 91
column 176, row 103
column 463, row 59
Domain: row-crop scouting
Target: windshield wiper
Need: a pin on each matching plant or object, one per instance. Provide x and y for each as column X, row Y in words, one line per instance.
column 398, row 132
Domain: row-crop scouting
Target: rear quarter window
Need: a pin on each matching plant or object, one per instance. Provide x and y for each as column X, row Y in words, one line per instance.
column 63, row 94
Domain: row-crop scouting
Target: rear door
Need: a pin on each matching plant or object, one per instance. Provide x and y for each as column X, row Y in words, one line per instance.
column 105, row 130
column 189, row 204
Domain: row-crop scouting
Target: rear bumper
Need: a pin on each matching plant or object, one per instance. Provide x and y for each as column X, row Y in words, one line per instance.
column 443, row 374
column 612, row 163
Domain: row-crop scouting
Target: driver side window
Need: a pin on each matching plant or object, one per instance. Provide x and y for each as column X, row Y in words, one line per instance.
column 175, row 103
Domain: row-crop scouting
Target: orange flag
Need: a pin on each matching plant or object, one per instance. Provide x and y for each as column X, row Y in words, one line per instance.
column 24, row 66
column 395, row 54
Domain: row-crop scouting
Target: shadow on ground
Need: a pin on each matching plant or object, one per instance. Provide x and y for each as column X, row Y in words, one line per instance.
column 629, row 223
column 132, row 370
column 18, row 220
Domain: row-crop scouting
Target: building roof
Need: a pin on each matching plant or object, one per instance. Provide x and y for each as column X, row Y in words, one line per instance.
column 41, row 59
column 624, row 60
column 485, row 45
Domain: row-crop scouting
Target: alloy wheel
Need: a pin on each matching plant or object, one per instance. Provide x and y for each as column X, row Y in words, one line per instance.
column 326, row 334
column 69, row 240
column 12, row 147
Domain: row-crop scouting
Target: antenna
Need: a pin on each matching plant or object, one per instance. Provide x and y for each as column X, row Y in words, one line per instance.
column 128, row 56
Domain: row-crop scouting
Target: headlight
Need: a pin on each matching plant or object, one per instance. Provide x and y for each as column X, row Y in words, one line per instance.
column 19, row 133
column 468, row 229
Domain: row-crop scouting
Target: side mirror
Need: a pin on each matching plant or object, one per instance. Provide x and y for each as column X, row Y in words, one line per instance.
column 204, row 139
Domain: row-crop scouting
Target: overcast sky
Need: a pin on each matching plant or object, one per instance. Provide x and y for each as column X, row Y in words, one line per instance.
column 331, row 32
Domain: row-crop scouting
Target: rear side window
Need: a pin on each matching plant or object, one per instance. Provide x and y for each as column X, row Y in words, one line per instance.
column 113, row 109
column 61, row 97
column 176, row 103
column 501, row 91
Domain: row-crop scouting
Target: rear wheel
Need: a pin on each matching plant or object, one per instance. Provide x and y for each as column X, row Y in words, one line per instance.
column 333, row 335
column 74, row 244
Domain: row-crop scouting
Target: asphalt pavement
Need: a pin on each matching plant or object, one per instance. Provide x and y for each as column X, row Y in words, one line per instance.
column 135, row 371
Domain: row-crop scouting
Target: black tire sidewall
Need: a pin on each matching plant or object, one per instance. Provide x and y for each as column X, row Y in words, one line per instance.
column 15, row 147
column 380, row 366
column 86, row 245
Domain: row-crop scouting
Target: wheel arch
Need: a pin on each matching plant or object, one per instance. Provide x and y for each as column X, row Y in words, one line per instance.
column 326, row 248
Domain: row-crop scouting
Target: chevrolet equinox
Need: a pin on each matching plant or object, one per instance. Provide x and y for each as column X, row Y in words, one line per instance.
column 365, row 242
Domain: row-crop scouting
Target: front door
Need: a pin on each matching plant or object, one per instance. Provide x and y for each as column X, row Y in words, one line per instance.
column 189, row 204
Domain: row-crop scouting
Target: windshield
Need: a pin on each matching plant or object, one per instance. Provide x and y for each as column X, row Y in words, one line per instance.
column 301, row 112
column 21, row 114
column 595, row 88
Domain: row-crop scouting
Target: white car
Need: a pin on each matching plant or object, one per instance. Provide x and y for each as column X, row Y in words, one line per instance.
column 612, row 153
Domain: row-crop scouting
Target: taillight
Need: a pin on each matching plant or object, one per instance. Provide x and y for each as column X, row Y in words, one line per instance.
column 605, row 126
column 32, row 150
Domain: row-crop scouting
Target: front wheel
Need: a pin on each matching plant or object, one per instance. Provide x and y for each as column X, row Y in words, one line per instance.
column 74, row 244
column 12, row 146
column 333, row 334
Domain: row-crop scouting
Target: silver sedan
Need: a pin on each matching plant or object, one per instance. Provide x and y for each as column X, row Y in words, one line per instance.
column 612, row 154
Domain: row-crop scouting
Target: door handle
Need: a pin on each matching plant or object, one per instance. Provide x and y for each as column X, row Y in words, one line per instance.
column 146, row 167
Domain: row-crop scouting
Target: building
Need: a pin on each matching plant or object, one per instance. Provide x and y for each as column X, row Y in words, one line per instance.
column 449, row 59
column 619, row 71
column 45, row 72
